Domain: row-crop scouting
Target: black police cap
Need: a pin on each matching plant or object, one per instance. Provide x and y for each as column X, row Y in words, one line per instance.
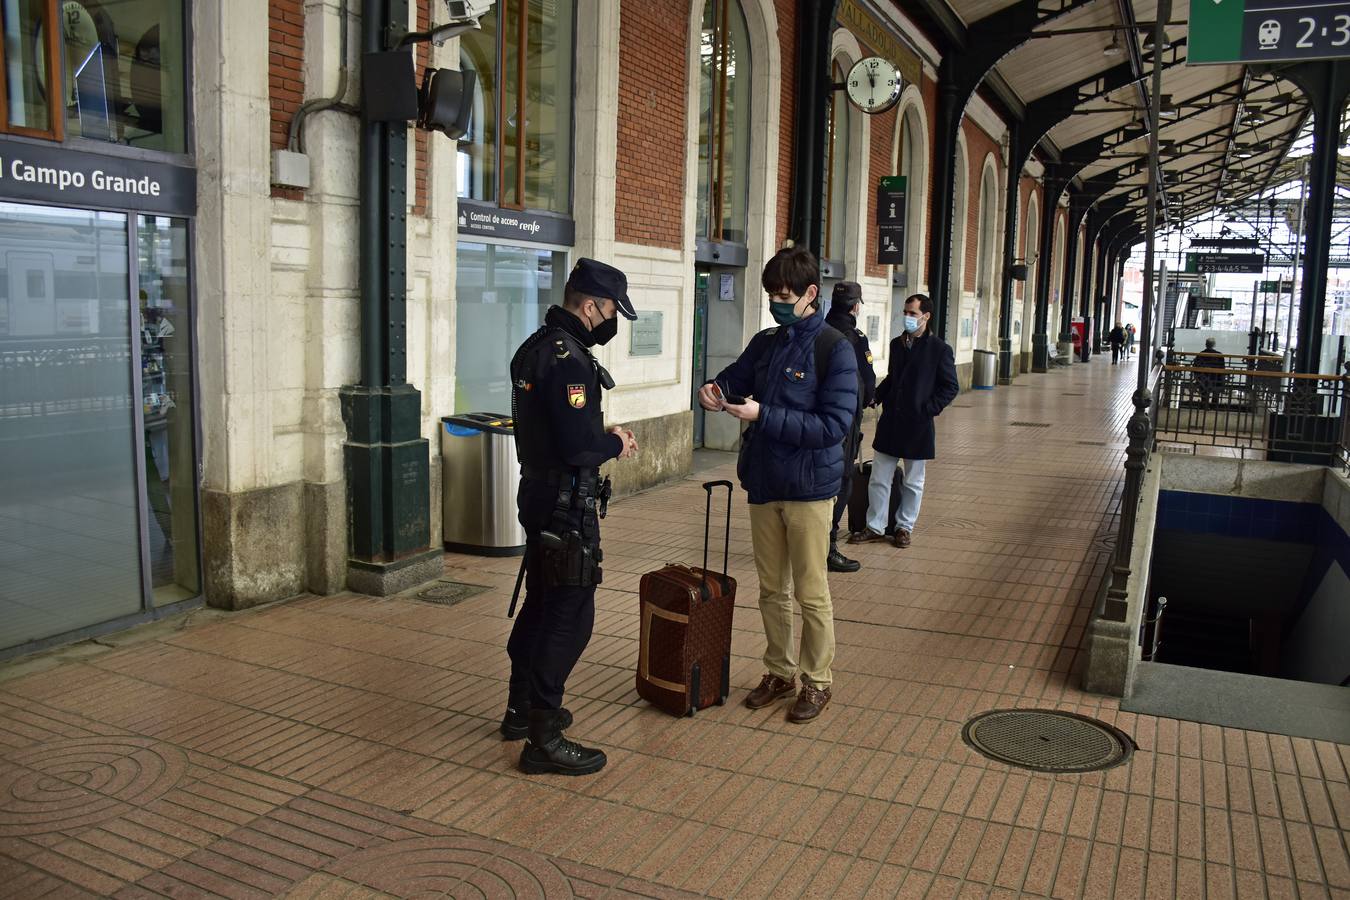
column 596, row 279
column 846, row 293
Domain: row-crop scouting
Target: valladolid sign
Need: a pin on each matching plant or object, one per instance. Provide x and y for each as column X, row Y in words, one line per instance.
column 56, row 175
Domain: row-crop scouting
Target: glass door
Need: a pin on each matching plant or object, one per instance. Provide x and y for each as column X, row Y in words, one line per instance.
column 69, row 524
column 168, row 427
column 700, row 371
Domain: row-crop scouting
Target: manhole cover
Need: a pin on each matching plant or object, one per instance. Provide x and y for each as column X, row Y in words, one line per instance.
column 1030, row 424
column 448, row 593
column 1047, row 740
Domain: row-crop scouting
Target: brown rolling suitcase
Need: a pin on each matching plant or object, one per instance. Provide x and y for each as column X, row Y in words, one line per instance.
column 684, row 652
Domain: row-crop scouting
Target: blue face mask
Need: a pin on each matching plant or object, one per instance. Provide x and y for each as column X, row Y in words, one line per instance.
column 784, row 313
column 911, row 324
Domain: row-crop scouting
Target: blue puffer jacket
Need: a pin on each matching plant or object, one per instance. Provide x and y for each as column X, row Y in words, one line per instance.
column 795, row 451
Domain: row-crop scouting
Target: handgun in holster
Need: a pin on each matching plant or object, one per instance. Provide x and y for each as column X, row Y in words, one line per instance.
column 571, row 555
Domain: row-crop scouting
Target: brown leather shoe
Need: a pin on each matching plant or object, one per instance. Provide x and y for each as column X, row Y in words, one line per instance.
column 810, row 703
column 902, row 539
column 771, row 687
column 866, row 536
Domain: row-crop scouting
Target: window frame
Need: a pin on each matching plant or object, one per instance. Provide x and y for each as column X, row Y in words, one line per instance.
column 56, row 71
column 714, row 246
column 55, row 56
column 521, row 9
column 831, row 262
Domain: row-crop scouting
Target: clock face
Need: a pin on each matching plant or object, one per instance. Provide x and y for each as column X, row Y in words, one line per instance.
column 873, row 85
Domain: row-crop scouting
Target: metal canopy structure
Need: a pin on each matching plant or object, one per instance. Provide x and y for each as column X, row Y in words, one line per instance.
column 1073, row 78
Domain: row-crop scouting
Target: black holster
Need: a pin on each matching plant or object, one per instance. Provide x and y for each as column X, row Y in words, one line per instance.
column 569, row 553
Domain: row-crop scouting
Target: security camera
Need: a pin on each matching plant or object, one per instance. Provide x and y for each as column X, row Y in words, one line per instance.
column 467, row 11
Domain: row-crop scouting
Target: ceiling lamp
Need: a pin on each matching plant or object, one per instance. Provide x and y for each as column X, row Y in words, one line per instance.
column 1113, row 48
column 1148, row 40
column 1244, row 153
column 1251, row 118
column 1166, row 108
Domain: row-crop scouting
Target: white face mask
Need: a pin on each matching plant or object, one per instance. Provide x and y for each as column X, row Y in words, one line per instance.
column 911, row 324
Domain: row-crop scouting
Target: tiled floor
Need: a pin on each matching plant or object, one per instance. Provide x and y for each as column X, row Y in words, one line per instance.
column 347, row 746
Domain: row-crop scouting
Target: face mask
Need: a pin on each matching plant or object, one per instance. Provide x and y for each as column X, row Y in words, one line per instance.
column 784, row 313
column 604, row 332
column 911, row 324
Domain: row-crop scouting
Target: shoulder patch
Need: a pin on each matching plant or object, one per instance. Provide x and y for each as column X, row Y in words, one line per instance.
column 869, row 357
column 859, row 333
column 576, row 395
column 560, row 350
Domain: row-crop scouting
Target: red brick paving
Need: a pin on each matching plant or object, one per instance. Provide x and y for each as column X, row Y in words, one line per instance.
column 346, row 746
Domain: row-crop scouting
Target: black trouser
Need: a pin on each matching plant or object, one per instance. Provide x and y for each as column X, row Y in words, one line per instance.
column 1115, row 353
column 554, row 624
column 851, row 446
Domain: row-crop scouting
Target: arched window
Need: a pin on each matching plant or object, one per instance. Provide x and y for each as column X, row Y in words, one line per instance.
column 724, row 123
column 984, row 263
column 912, row 163
column 1030, row 249
column 836, row 170
column 518, row 152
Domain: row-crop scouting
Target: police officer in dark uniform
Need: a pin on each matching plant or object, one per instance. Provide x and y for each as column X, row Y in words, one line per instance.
column 561, row 440
column 845, row 304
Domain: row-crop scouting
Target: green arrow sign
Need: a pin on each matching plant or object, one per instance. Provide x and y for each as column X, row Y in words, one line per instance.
column 1266, row 31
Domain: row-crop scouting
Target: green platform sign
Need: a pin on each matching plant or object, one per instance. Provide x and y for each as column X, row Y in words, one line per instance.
column 1264, row 31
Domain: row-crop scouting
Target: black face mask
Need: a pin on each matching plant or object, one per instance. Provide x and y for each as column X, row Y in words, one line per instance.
column 604, row 332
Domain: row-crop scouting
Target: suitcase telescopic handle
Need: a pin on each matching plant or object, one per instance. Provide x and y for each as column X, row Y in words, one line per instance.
column 707, row 528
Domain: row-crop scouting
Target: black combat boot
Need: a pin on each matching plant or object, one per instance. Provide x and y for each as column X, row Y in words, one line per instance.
column 547, row 752
column 516, row 721
column 838, row 562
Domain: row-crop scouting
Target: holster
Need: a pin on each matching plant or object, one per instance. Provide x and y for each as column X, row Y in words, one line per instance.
column 569, row 553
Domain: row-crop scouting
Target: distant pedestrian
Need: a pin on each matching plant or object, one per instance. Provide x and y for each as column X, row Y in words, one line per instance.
column 1129, row 340
column 1117, row 338
column 1207, row 384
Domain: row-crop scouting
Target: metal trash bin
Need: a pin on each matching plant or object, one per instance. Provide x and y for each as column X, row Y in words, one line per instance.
column 986, row 365
column 479, row 477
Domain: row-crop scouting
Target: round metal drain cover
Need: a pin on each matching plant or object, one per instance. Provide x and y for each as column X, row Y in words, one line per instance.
column 1047, row 740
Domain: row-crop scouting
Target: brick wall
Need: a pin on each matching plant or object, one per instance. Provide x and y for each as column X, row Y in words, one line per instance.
column 978, row 145
column 787, row 50
column 653, row 69
column 286, row 85
column 879, row 164
column 417, row 135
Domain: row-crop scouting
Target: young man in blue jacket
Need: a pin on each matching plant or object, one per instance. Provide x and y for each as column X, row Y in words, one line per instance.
column 799, row 384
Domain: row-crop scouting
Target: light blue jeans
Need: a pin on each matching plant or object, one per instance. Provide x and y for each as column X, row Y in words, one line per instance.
column 879, row 492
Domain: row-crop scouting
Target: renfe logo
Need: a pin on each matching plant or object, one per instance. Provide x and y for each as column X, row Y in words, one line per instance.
column 62, row 178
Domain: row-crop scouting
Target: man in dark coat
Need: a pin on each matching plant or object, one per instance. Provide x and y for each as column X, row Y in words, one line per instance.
column 845, row 304
column 1208, row 385
column 1117, row 338
column 920, row 382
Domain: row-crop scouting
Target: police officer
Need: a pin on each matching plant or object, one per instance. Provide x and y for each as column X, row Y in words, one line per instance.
column 561, row 440
column 845, row 304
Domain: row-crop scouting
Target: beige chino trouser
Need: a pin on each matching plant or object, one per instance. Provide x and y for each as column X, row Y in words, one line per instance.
column 791, row 540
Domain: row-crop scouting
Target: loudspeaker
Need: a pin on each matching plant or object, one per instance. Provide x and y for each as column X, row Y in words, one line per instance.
column 388, row 86
column 447, row 101
column 1018, row 272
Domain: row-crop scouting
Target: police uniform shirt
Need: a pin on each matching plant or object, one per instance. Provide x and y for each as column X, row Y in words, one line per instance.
column 846, row 324
column 559, row 417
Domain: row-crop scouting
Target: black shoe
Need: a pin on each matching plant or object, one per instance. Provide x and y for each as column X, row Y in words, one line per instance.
column 516, row 721
column 838, row 562
column 547, row 752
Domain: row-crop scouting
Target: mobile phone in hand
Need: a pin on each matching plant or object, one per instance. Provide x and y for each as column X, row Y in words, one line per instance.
column 734, row 399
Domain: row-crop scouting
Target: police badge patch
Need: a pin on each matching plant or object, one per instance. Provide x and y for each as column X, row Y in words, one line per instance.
column 576, row 395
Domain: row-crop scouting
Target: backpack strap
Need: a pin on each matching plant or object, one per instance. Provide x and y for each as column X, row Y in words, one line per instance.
column 826, row 339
